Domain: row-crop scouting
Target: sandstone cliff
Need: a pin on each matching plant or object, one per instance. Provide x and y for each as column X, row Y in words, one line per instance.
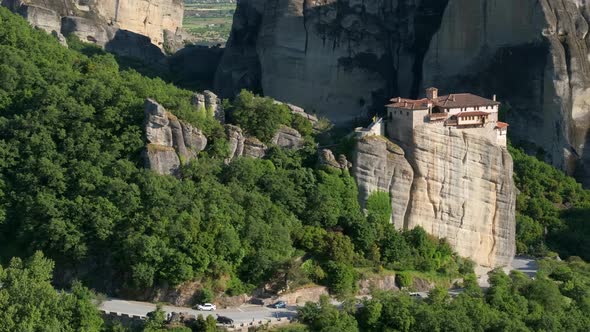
column 455, row 185
column 133, row 28
column 145, row 17
column 170, row 142
column 345, row 58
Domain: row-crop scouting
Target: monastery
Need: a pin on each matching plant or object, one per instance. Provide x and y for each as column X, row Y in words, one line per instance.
column 460, row 111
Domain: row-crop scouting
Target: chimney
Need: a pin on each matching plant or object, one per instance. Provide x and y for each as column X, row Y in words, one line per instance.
column 432, row 93
column 494, row 98
column 399, row 99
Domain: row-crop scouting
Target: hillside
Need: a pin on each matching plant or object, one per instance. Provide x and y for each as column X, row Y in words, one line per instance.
column 73, row 185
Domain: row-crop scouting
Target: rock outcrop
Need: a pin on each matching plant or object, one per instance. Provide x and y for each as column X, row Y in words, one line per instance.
column 347, row 58
column 535, row 55
column 208, row 101
column 326, row 158
column 170, row 142
column 380, row 165
column 288, row 138
column 242, row 146
column 133, row 28
column 145, row 17
column 454, row 184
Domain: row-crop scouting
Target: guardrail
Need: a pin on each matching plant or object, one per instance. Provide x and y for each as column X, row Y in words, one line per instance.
column 243, row 326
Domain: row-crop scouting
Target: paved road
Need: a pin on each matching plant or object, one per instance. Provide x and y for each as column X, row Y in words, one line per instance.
column 242, row 314
column 247, row 313
column 525, row 265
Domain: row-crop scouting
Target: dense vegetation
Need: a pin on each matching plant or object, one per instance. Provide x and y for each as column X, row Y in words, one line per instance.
column 553, row 211
column 73, row 185
column 28, row 301
column 262, row 117
column 557, row 300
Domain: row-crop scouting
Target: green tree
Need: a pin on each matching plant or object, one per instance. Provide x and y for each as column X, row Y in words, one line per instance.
column 28, row 301
column 260, row 117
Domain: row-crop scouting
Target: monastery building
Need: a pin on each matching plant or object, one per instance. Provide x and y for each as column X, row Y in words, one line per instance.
column 460, row 111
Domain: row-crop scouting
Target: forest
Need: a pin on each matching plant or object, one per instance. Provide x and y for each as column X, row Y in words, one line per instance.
column 78, row 211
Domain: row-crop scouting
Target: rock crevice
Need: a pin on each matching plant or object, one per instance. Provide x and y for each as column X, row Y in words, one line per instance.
column 170, row 142
column 455, row 185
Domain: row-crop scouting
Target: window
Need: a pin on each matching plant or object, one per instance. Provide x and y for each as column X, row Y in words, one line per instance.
column 407, row 113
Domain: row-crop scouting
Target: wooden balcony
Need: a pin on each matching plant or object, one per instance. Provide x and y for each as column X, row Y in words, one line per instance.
column 438, row 116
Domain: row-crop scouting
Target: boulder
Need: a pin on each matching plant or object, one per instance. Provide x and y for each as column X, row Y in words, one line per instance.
column 235, row 139
column 288, row 138
column 162, row 159
column 254, row 148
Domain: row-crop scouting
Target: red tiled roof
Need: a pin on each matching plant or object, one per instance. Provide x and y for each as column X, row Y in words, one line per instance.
column 464, row 114
column 501, row 125
column 409, row 104
column 458, row 100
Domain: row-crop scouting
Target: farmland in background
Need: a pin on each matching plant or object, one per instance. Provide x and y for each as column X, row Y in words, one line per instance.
column 209, row 21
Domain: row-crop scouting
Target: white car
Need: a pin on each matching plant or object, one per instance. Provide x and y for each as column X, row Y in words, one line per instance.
column 206, row 307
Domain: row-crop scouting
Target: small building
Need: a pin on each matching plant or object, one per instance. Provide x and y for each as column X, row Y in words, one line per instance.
column 462, row 111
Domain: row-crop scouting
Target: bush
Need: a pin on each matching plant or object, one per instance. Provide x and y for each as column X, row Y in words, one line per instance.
column 404, row 279
column 205, row 295
column 259, row 116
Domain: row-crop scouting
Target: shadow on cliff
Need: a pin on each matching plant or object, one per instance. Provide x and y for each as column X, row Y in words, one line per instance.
column 403, row 30
column 192, row 67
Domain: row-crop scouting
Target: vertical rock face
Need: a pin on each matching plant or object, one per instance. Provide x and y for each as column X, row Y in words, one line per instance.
column 208, row 101
column 534, row 55
column 455, row 185
column 315, row 53
column 145, row 17
column 170, row 142
column 344, row 58
column 380, row 165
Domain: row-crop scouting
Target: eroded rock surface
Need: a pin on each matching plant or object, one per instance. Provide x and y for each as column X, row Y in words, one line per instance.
column 208, row 101
column 133, row 28
column 145, row 17
column 455, row 185
column 242, row 146
column 288, row 138
column 326, row 158
column 170, row 142
column 345, row 59
column 380, row 165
